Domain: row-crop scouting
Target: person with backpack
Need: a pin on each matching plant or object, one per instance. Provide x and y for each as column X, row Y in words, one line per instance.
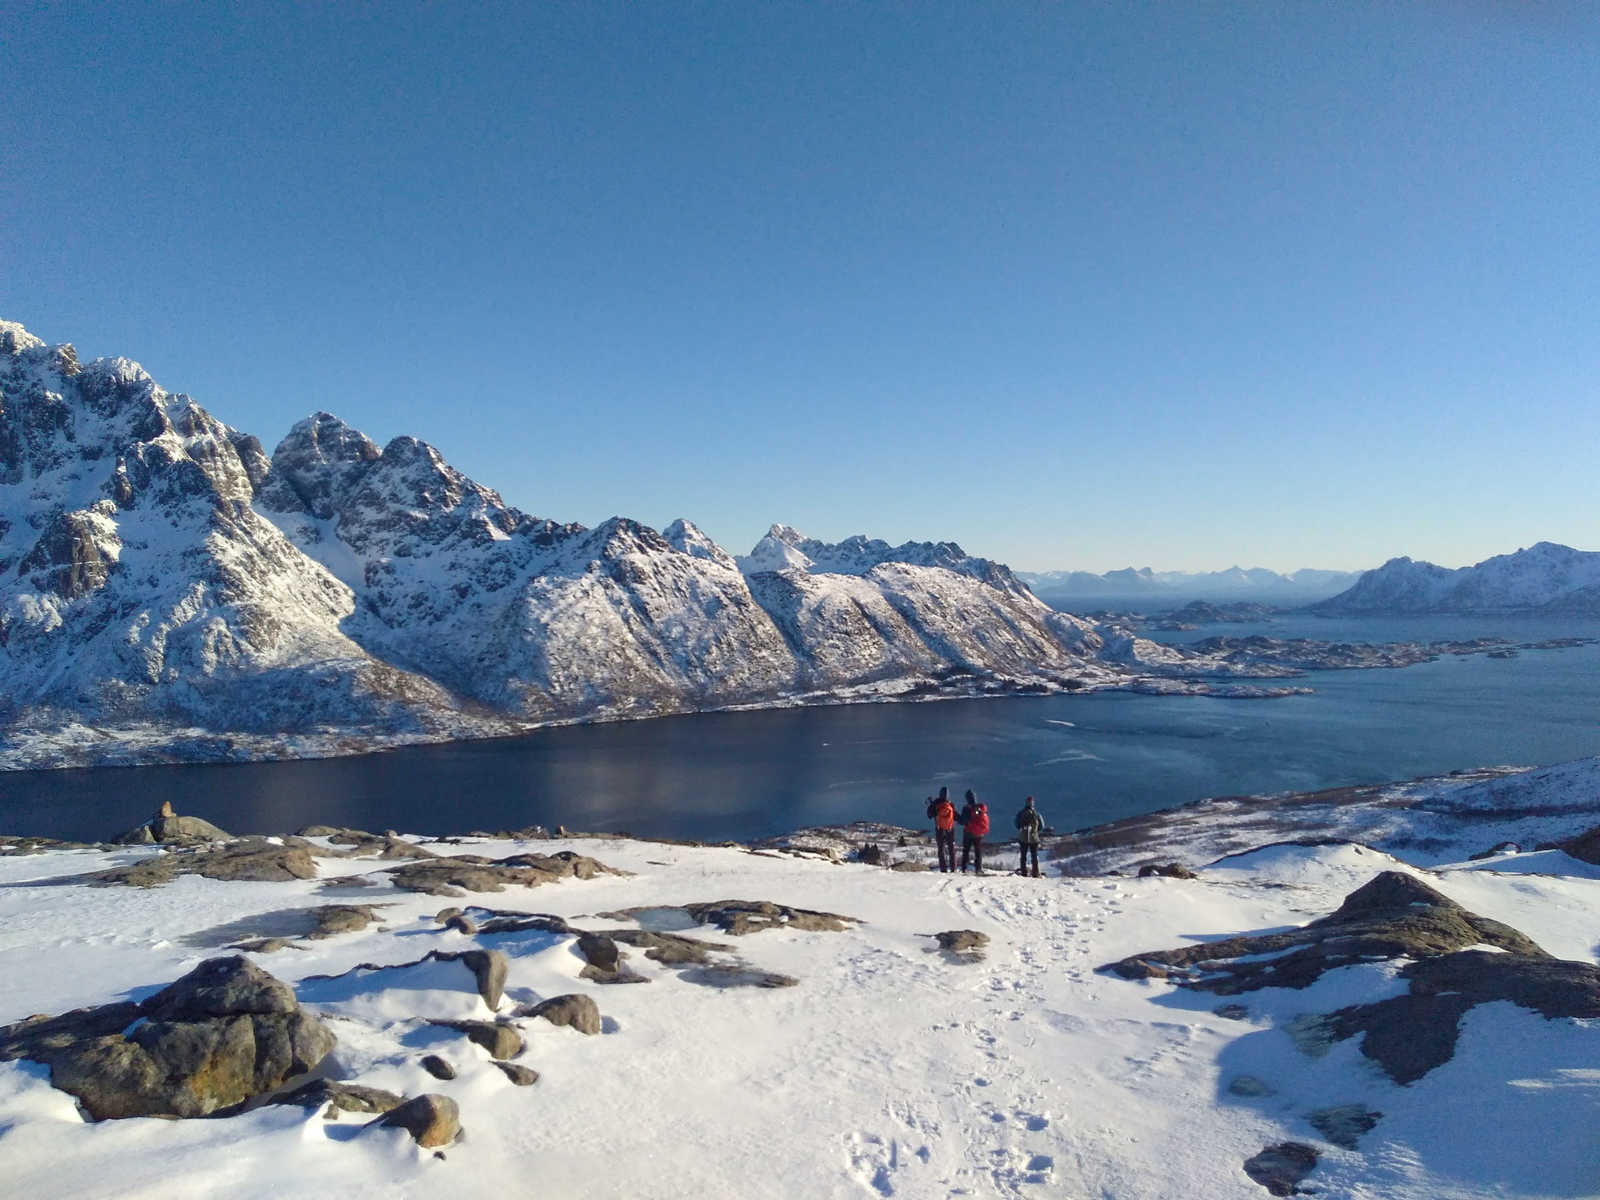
column 1029, row 825
column 943, row 814
column 974, row 824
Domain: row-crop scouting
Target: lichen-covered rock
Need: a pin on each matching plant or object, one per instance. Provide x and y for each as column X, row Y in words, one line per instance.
column 222, row 1034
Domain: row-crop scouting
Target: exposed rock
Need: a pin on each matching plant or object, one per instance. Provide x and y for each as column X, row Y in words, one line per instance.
column 445, row 914
column 599, row 951
column 252, row 860
column 741, row 917
column 340, row 1097
column 222, row 1034
column 433, row 1120
column 1586, row 846
column 870, row 854
column 908, row 865
column 1280, row 1168
column 962, row 941
column 1173, row 870
column 264, row 945
column 574, row 1010
column 518, row 1074
column 171, row 828
column 438, row 1067
column 1394, row 915
column 469, row 873
column 311, row 831
column 735, row 975
column 1249, row 1085
column 1232, row 1012
column 499, row 1039
column 1495, row 851
column 1344, row 1124
column 333, row 919
column 1410, row 1035
column 462, row 923
column 668, row 949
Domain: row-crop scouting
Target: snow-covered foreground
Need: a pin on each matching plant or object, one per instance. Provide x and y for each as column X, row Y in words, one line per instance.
column 890, row 1068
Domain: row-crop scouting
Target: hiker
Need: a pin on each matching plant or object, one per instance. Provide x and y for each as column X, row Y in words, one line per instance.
column 974, row 824
column 1029, row 825
column 943, row 814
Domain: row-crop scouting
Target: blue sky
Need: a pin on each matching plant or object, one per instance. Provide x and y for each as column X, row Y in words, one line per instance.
column 1078, row 285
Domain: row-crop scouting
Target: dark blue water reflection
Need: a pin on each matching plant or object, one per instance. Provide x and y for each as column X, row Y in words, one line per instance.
column 1087, row 758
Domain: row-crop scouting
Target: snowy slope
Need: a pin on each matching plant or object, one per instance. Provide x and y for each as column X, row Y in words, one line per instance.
column 888, row 1068
column 1544, row 576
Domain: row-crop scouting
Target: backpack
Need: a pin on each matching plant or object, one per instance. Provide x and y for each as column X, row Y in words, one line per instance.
column 944, row 816
column 979, row 825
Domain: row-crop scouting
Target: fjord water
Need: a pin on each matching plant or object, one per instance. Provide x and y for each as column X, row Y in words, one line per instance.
column 1088, row 759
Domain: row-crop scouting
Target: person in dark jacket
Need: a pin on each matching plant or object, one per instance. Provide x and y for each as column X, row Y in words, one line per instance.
column 974, row 825
column 1029, row 825
column 943, row 815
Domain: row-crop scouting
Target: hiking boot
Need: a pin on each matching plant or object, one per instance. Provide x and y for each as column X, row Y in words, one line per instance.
column 1036, row 872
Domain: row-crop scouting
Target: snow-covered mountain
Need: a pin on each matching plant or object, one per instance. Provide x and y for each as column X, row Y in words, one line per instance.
column 1544, row 577
column 1236, row 583
column 156, row 566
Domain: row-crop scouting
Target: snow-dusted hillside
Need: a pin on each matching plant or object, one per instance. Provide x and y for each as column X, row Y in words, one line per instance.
column 1544, row 577
column 159, row 572
column 136, row 580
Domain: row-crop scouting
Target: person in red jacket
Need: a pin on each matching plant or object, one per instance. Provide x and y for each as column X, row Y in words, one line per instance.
column 943, row 814
column 975, row 825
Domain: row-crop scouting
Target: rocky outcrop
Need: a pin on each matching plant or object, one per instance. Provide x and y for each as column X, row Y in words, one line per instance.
column 455, row 876
column 221, row 1035
column 741, row 917
column 1392, row 917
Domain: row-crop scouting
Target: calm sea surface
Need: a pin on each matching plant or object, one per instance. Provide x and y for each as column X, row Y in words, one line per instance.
column 1088, row 759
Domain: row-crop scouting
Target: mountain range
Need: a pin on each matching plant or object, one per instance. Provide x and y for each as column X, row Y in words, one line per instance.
column 1545, row 577
column 169, row 589
column 1146, row 585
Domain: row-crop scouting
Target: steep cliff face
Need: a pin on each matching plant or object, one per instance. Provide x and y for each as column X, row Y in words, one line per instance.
column 156, row 566
column 136, row 580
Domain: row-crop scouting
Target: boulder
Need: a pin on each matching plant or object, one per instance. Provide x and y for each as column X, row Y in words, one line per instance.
column 438, row 1067
column 221, row 1035
column 962, row 941
column 1280, row 1168
column 1172, row 870
column 333, row 919
column 431, row 1119
column 574, row 1010
column 488, row 968
column 519, row 1075
column 499, row 1039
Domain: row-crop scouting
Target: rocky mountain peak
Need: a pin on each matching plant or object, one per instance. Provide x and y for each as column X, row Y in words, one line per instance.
column 687, row 538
